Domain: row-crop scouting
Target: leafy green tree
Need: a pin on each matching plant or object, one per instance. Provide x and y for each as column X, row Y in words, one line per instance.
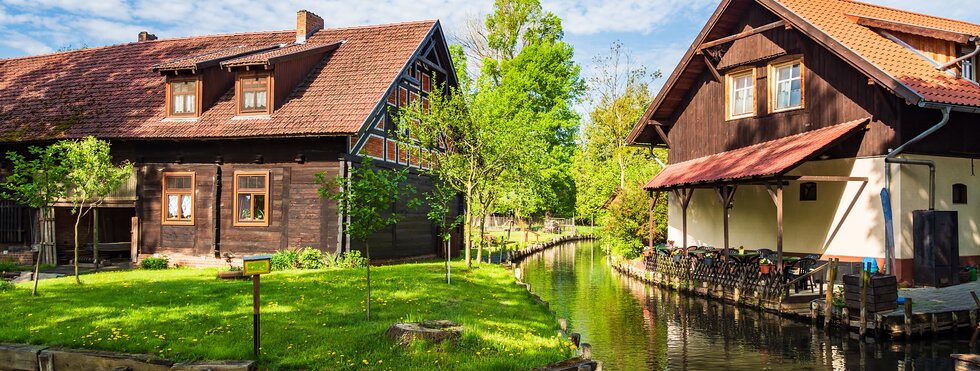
column 90, row 177
column 608, row 174
column 37, row 182
column 368, row 199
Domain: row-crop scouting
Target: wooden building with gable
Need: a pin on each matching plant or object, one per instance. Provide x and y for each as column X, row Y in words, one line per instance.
column 789, row 122
column 227, row 133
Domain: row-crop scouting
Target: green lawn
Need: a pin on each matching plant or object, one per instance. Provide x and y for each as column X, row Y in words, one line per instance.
column 310, row 319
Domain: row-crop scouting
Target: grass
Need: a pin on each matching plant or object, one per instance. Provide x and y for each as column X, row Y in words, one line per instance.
column 310, row 319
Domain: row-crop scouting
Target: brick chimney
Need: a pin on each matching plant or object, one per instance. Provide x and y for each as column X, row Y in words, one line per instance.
column 306, row 24
column 146, row 36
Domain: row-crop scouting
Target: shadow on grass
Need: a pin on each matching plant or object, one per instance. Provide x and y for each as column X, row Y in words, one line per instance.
column 310, row 319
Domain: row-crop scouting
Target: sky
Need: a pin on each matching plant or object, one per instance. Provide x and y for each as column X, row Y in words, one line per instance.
column 655, row 32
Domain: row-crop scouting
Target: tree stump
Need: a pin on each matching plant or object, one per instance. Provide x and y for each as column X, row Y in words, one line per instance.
column 435, row 331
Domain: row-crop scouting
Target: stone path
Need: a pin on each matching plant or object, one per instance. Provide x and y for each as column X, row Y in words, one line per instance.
column 930, row 299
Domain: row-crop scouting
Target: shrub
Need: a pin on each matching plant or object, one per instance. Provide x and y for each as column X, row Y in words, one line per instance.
column 155, row 263
column 310, row 258
column 5, row 285
column 285, row 259
column 10, row 266
column 352, row 259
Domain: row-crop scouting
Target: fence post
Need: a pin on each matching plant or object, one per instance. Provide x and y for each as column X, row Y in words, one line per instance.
column 865, row 280
column 829, row 304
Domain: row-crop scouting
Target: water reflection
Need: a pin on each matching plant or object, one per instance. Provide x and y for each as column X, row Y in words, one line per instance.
column 633, row 326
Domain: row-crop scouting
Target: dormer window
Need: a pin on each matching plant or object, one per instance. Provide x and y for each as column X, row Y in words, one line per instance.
column 253, row 94
column 184, row 98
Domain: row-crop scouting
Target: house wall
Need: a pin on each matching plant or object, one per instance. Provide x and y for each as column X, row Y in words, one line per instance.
column 845, row 220
column 914, row 182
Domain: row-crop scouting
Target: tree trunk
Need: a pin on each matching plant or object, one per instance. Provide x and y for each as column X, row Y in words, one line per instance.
column 467, row 225
column 40, row 249
column 95, row 237
column 622, row 170
column 483, row 231
column 449, row 254
column 78, row 219
column 367, row 253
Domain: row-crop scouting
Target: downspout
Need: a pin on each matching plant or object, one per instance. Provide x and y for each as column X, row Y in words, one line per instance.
column 891, row 158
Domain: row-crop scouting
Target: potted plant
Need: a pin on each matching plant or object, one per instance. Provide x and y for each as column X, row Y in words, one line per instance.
column 765, row 266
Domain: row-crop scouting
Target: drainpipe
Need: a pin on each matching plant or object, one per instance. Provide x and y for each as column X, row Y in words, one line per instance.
column 891, row 158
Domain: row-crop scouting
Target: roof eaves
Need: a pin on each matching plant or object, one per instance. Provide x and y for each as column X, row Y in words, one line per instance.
column 174, row 65
column 257, row 59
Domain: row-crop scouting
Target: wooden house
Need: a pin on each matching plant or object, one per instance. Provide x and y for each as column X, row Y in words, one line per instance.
column 812, row 127
column 227, row 133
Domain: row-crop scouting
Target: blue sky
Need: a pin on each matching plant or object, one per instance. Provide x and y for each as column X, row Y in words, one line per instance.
column 657, row 32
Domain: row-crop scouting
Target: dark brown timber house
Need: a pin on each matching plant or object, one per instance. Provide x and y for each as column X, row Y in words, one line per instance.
column 827, row 127
column 226, row 133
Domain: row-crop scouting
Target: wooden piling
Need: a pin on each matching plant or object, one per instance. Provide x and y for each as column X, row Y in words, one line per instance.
column 829, row 305
column 908, row 317
column 865, row 280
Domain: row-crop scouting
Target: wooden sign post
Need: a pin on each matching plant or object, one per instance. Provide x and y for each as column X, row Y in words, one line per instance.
column 256, row 266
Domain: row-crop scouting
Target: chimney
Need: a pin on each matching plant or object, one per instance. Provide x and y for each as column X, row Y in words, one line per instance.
column 306, row 24
column 146, row 36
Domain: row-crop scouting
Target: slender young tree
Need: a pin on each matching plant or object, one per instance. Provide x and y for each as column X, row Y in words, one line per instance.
column 439, row 213
column 37, row 182
column 368, row 199
column 90, row 177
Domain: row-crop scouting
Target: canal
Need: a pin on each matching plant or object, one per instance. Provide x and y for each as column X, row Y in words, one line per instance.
column 632, row 326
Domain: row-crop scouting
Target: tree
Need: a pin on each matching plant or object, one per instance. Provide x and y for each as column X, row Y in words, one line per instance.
column 608, row 174
column 36, row 182
column 438, row 201
column 90, row 177
column 368, row 199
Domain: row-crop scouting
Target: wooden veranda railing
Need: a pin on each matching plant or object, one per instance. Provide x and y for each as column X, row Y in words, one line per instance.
column 734, row 279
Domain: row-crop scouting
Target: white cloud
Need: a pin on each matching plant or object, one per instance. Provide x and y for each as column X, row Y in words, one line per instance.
column 27, row 44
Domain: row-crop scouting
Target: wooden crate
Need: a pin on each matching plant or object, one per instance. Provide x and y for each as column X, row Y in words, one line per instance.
column 881, row 295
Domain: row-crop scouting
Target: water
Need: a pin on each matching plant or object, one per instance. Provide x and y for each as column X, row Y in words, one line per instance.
column 632, row 326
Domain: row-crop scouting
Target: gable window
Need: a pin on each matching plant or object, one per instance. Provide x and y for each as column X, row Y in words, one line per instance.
column 968, row 70
column 786, row 90
column 251, row 198
column 183, row 98
column 741, row 94
column 254, row 94
column 426, row 83
column 178, row 198
column 959, row 194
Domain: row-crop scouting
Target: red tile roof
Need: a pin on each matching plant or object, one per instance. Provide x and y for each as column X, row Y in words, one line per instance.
column 209, row 58
column 112, row 92
column 833, row 17
column 283, row 53
column 762, row 159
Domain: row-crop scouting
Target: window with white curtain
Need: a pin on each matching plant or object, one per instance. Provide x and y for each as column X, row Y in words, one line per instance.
column 741, row 94
column 786, row 90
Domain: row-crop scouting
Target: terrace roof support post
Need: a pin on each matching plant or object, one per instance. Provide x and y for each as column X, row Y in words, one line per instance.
column 777, row 198
column 684, row 196
column 726, row 194
column 654, row 197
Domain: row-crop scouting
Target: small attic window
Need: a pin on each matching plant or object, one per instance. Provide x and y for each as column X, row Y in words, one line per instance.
column 183, row 98
column 253, row 93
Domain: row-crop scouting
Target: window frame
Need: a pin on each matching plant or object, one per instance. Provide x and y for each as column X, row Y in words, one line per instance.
column 729, row 93
column 236, row 221
column 240, row 93
column 197, row 97
column 164, row 200
column 772, row 82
